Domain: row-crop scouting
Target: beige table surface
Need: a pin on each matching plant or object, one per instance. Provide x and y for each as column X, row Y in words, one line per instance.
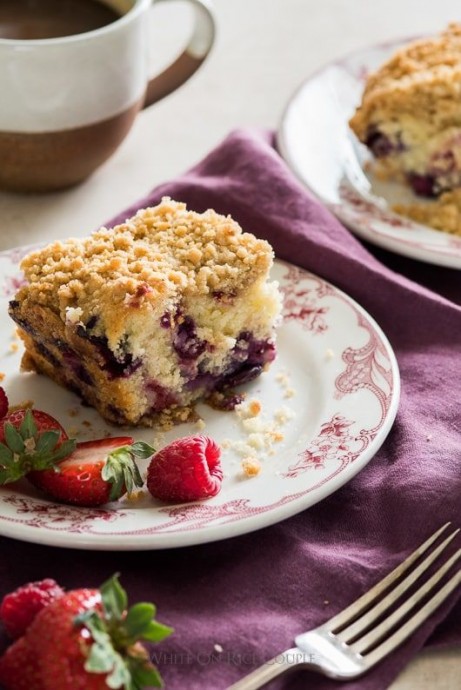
column 264, row 49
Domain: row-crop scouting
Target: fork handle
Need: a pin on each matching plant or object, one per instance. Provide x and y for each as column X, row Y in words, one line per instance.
column 280, row 664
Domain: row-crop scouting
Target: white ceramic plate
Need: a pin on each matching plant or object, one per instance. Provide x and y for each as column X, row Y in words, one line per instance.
column 330, row 399
column 315, row 140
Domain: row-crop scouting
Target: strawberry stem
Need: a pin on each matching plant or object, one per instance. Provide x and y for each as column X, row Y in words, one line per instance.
column 117, row 632
column 121, row 470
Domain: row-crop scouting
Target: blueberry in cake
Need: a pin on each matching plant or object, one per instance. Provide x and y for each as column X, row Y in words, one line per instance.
column 167, row 308
column 410, row 114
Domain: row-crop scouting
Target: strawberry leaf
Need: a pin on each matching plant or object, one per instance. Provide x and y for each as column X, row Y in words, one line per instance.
column 143, row 675
column 114, row 598
column 13, row 438
column 138, row 618
column 156, row 632
column 47, row 441
column 120, row 676
column 65, row 449
column 103, row 658
column 121, row 471
column 28, row 428
column 142, row 450
column 6, row 456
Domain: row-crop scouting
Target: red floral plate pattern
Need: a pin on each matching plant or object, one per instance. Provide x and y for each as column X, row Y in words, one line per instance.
column 327, row 404
column 315, row 140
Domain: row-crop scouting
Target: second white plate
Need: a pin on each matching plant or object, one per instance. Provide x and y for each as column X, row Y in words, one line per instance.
column 315, row 139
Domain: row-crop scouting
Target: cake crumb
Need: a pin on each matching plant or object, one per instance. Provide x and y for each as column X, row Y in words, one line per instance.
column 248, row 409
column 218, row 648
column 284, row 380
column 87, row 423
column 256, row 441
column 429, row 437
column 283, row 415
column 2, row 376
column 329, row 354
column 200, row 424
column 73, row 412
column 14, row 347
column 158, row 440
column 135, row 496
column 326, row 602
column 251, row 466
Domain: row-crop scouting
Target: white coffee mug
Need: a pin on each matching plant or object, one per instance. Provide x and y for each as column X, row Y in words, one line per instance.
column 67, row 103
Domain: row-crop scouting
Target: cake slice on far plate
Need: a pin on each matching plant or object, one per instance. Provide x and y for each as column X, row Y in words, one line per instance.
column 148, row 317
column 410, row 114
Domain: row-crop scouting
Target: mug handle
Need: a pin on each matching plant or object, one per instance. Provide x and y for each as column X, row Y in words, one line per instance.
column 191, row 58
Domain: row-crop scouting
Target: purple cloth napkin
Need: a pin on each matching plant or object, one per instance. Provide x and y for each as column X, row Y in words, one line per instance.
column 252, row 594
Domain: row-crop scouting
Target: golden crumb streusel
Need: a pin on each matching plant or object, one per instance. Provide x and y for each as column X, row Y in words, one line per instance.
column 156, row 253
column 144, row 319
column 423, row 77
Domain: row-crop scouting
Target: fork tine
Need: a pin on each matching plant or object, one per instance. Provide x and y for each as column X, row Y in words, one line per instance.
column 363, row 602
column 415, row 621
column 371, row 615
column 380, row 631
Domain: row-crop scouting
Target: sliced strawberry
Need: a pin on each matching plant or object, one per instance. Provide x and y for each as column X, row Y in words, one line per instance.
column 19, row 608
column 95, row 473
column 3, row 403
column 31, row 440
column 188, row 469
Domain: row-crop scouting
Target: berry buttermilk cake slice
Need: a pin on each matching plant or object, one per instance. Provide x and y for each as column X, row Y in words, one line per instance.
column 410, row 114
column 148, row 317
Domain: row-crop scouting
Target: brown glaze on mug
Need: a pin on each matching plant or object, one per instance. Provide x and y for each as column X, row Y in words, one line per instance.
column 46, row 162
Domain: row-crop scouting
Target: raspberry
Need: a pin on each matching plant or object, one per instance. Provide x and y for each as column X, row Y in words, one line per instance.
column 3, row 403
column 19, row 608
column 188, row 469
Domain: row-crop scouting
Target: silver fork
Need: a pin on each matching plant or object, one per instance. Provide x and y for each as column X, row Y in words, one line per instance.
column 356, row 639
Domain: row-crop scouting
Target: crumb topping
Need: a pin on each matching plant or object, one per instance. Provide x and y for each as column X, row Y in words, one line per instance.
column 416, row 77
column 154, row 255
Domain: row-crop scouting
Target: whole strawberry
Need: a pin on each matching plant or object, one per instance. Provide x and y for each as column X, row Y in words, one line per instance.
column 87, row 639
column 188, row 469
column 19, row 608
column 19, row 669
column 31, row 440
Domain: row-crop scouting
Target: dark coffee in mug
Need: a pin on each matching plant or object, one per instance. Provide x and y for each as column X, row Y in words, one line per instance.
column 37, row 19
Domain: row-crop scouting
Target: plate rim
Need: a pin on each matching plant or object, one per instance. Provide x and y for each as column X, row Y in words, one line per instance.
column 248, row 524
